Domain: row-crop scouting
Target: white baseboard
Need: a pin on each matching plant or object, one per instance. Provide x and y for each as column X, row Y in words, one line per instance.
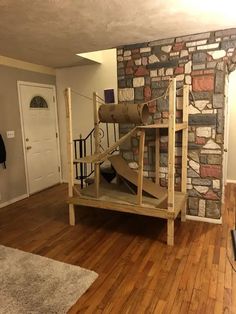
column 13, row 200
column 231, row 181
column 205, row 219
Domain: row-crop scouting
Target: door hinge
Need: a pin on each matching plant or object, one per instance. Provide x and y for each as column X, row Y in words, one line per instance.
column 59, row 169
column 53, row 98
column 56, row 135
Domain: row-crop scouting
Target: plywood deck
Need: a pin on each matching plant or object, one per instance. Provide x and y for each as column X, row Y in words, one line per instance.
column 117, row 198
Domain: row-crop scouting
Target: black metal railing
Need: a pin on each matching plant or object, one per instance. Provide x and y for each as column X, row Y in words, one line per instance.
column 85, row 146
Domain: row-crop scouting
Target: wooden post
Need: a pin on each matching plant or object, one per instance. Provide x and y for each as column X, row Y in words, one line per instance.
column 170, row 231
column 171, row 160
column 140, row 173
column 97, row 142
column 157, row 156
column 70, row 153
column 184, row 149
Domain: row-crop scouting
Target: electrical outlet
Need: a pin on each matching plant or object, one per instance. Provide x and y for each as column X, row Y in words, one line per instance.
column 10, row 134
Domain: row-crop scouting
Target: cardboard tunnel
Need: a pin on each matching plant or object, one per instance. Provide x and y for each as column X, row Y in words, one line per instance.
column 124, row 113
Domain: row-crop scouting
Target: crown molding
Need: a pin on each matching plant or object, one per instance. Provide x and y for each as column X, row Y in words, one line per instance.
column 14, row 63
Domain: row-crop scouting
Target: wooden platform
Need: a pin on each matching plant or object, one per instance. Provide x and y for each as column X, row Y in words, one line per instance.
column 116, row 197
column 167, row 203
column 99, row 158
column 178, row 126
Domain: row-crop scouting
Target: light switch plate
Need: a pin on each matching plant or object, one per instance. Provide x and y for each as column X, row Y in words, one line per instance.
column 10, row 134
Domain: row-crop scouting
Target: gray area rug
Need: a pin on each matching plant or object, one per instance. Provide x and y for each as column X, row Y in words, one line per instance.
column 34, row 284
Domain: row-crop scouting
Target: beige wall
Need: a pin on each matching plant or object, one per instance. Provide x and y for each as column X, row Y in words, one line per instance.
column 231, row 168
column 12, row 179
column 85, row 79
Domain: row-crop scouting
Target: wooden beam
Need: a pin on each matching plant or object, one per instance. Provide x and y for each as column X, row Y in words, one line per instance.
column 171, row 145
column 157, row 157
column 140, row 173
column 70, row 153
column 122, row 207
column 171, row 160
column 170, row 231
column 178, row 126
column 184, row 148
column 97, row 141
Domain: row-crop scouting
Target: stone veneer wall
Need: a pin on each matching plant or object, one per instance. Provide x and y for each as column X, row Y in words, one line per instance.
column 202, row 61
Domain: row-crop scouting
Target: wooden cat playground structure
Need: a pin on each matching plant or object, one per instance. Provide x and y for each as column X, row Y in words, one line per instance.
column 138, row 195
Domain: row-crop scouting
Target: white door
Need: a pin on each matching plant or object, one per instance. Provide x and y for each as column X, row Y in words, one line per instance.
column 40, row 135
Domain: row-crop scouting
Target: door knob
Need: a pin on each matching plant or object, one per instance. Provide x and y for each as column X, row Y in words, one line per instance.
column 28, row 147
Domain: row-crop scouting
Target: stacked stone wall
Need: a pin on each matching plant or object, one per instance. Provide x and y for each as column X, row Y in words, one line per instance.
column 203, row 62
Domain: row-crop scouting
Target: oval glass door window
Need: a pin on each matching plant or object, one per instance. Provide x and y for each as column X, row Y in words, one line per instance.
column 38, row 102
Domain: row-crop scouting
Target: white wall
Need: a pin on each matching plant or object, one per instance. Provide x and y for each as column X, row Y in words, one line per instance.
column 231, row 168
column 85, row 79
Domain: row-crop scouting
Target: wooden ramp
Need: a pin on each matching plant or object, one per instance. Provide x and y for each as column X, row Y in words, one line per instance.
column 130, row 175
column 99, row 158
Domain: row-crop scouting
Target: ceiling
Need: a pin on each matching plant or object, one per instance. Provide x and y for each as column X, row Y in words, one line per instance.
column 51, row 32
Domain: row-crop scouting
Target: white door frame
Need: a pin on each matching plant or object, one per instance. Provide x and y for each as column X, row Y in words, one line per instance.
column 226, row 131
column 227, row 127
column 19, row 83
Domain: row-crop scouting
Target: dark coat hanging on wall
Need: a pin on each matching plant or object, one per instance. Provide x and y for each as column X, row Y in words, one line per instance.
column 3, row 154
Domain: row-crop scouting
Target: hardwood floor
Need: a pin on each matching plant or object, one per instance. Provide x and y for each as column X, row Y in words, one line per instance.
column 138, row 272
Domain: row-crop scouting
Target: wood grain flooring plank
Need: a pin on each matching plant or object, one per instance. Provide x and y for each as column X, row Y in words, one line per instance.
column 138, row 272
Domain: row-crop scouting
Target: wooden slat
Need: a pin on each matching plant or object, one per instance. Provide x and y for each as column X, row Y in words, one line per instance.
column 89, row 159
column 124, row 170
column 97, row 158
column 170, row 231
column 97, row 142
column 180, row 202
column 171, row 145
column 178, row 126
column 157, row 157
column 70, row 153
column 171, row 160
column 140, row 170
column 103, row 203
